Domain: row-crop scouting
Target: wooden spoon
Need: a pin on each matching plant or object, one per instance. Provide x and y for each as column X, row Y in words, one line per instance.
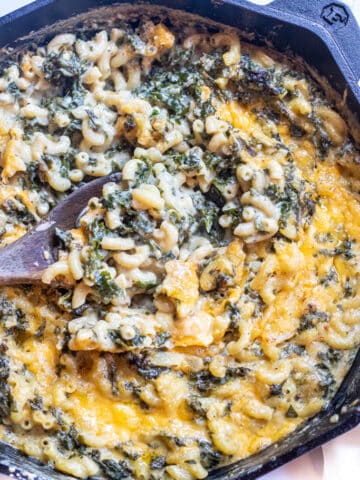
column 25, row 260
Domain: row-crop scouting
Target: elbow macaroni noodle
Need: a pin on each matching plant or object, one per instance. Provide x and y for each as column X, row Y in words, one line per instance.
column 206, row 304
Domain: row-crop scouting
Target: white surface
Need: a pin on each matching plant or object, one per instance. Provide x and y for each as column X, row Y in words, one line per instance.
column 338, row 459
column 7, row 6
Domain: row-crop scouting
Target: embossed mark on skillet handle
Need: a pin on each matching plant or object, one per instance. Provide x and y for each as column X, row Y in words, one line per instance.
column 334, row 23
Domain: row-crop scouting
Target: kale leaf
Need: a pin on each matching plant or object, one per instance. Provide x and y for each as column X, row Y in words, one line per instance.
column 5, row 393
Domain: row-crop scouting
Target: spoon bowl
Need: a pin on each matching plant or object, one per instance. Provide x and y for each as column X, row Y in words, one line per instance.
column 25, row 260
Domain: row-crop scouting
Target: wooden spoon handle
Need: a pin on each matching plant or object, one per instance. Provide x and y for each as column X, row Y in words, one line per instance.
column 25, row 260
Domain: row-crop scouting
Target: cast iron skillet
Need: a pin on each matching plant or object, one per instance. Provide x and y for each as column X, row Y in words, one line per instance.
column 326, row 35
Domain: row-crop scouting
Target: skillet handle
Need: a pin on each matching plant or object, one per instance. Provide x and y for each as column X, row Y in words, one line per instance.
column 334, row 22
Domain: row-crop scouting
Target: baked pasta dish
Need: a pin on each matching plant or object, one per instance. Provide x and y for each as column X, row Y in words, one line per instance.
column 207, row 303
